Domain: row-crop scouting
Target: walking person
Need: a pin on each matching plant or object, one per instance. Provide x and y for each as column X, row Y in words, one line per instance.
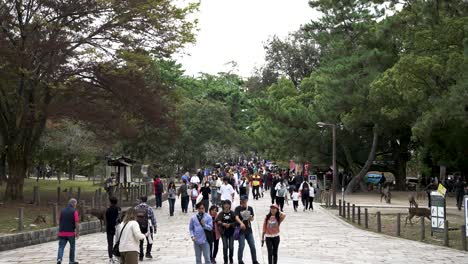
column 129, row 235
column 147, row 223
column 275, row 181
column 214, row 245
column 271, row 232
column 171, row 197
column 215, row 184
column 304, row 188
column 281, row 192
column 459, row 191
column 193, row 196
column 295, row 199
column 200, row 225
column 158, row 191
column 227, row 191
column 183, row 193
column 256, row 186
column 244, row 186
column 311, row 197
column 205, row 192
column 244, row 217
column 69, row 230
column 226, row 221
column 111, row 219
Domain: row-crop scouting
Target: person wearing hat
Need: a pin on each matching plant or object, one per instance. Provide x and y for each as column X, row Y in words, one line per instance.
column 271, row 232
column 226, row 221
column 244, row 217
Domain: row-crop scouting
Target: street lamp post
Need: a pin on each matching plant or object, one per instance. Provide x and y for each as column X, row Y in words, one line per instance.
column 322, row 124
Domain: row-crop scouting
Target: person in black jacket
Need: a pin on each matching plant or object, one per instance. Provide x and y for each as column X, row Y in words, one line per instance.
column 226, row 220
column 111, row 220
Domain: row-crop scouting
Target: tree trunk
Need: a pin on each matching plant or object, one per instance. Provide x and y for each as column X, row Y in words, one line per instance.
column 17, row 165
column 3, row 177
column 355, row 181
column 71, row 174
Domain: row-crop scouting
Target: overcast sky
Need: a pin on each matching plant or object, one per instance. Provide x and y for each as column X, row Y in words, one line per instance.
column 235, row 30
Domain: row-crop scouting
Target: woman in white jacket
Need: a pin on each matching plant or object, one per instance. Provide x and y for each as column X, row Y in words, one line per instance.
column 130, row 239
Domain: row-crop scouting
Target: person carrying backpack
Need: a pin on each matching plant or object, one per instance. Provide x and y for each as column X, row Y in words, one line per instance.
column 183, row 192
column 226, row 221
column 147, row 222
column 281, row 192
column 305, row 194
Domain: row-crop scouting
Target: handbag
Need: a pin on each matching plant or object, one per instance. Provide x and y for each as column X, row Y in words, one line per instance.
column 115, row 249
column 208, row 234
column 237, row 233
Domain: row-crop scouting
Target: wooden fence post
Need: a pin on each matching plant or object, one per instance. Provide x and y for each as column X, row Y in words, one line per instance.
column 349, row 212
column 366, row 218
column 21, row 219
column 359, row 215
column 398, row 225
column 446, row 234
column 423, row 229
column 463, row 237
column 339, row 207
column 54, row 214
column 354, row 213
column 78, row 195
column 379, row 223
column 58, row 195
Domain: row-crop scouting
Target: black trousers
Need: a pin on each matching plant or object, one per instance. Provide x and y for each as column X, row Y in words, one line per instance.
column 280, row 202
column 305, row 202
column 295, row 204
column 148, row 245
column 256, row 192
column 311, row 203
column 214, row 246
column 184, row 201
column 110, row 244
column 272, row 244
column 158, row 200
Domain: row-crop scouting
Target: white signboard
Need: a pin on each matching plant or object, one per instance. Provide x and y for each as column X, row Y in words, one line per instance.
column 437, row 212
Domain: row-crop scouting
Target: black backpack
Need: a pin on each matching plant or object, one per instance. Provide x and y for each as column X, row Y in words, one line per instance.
column 142, row 219
column 160, row 187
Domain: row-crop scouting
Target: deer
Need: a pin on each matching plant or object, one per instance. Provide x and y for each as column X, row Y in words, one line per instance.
column 413, row 210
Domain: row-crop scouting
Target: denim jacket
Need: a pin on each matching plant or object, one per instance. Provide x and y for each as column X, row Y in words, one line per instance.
column 196, row 229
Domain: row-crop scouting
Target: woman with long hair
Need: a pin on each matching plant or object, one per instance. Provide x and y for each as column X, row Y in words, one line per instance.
column 271, row 232
column 171, row 197
column 129, row 238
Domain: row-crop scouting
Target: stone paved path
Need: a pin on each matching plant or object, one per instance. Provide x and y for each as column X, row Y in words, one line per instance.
column 307, row 237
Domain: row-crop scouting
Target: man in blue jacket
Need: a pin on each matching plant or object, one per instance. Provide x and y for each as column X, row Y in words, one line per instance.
column 68, row 230
column 200, row 225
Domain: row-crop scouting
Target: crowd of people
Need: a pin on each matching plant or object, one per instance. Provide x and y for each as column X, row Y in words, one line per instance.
column 215, row 217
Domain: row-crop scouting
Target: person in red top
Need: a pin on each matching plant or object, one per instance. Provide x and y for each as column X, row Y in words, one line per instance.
column 158, row 191
column 69, row 228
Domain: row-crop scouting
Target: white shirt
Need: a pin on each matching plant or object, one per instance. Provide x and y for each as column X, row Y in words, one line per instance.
column 311, row 191
column 295, row 196
column 195, row 180
column 131, row 236
column 226, row 192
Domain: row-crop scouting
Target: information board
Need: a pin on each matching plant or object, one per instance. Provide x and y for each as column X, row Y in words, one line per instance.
column 438, row 215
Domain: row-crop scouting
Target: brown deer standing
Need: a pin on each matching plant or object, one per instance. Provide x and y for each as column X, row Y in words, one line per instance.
column 413, row 210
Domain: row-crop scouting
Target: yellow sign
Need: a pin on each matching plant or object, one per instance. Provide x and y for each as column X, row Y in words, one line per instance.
column 441, row 189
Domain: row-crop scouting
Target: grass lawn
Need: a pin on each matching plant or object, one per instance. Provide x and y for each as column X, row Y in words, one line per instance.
column 48, row 196
column 412, row 232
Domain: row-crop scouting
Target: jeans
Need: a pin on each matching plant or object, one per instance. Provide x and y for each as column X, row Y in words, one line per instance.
column 228, row 243
column 305, row 202
column 158, row 200
column 280, row 202
column 214, row 196
column 184, row 201
column 171, row 206
column 214, row 248
column 206, row 203
column 202, row 249
column 62, row 243
column 272, row 244
column 250, row 240
column 194, row 204
column 110, row 244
